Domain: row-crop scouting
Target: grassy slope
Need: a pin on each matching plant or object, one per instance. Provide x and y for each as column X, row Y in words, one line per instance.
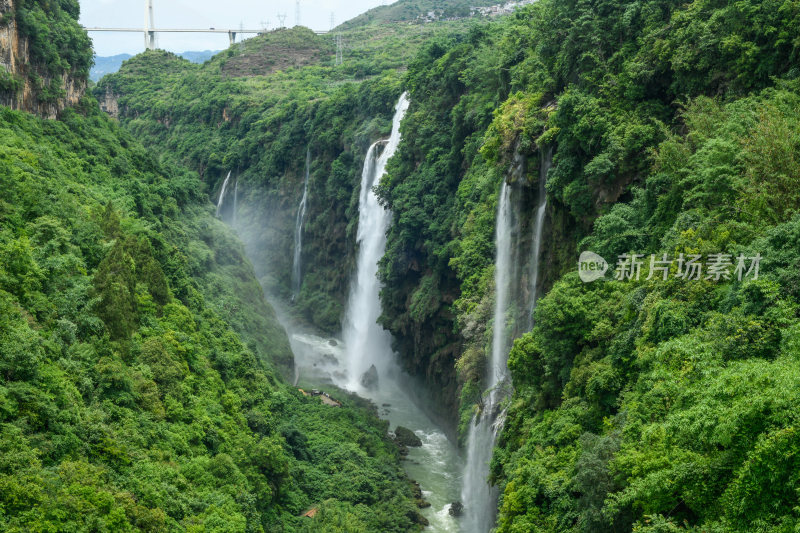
column 408, row 11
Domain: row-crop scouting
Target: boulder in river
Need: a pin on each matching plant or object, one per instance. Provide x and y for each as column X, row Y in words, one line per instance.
column 406, row 437
column 456, row 509
column 369, row 379
column 416, row 490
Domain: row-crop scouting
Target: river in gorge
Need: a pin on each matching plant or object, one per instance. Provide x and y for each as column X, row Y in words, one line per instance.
column 365, row 348
column 436, row 465
column 363, row 361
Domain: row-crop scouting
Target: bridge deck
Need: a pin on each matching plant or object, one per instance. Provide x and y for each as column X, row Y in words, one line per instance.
column 185, row 30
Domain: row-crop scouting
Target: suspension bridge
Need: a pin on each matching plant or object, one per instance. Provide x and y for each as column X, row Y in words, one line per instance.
column 150, row 31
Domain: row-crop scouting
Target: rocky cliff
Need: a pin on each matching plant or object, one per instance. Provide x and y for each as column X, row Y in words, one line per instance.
column 41, row 70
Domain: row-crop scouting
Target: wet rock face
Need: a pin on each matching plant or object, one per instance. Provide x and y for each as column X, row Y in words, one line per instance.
column 369, row 379
column 8, row 38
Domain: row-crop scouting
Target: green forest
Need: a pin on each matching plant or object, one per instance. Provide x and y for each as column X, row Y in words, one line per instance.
column 146, row 383
column 143, row 378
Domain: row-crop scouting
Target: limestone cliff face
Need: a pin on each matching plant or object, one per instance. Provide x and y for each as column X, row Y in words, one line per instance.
column 109, row 102
column 22, row 83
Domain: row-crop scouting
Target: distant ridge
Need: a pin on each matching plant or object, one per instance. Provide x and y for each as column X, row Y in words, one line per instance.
column 109, row 64
column 417, row 10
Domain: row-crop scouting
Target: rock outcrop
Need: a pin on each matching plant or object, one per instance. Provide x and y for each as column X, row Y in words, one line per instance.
column 406, row 437
column 369, row 379
column 23, row 84
column 109, row 103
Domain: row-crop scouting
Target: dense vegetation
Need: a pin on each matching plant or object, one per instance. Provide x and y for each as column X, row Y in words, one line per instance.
column 138, row 388
column 652, row 406
column 260, row 126
column 260, row 129
column 141, row 370
column 667, row 405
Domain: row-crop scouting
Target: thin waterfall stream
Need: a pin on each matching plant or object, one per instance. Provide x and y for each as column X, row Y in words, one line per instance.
column 297, row 267
column 479, row 497
column 538, row 227
column 224, row 188
column 235, row 201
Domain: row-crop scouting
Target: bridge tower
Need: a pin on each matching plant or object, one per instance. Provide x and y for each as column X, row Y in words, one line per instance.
column 149, row 26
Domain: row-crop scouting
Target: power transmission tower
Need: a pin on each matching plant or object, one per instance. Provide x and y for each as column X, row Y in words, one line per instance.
column 281, row 20
column 331, row 20
column 339, row 49
column 297, row 13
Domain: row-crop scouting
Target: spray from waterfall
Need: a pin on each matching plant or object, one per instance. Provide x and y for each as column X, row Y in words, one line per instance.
column 235, row 200
column 538, row 226
column 368, row 344
column 222, row 193
column 298, row 231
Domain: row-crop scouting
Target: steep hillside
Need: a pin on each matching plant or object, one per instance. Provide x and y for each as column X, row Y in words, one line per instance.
column 141, row 370
column 276, row 51
column 138, row 376
column 644, row 405
column 416, row 11
column 109, row 64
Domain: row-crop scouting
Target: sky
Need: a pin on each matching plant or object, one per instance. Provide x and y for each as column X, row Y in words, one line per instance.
column 229, row 14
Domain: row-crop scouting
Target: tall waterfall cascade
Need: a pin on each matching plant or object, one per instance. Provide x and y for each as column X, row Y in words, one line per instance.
column 365, row 348
column 297, row 267
column 368, row 344
column 221, row 199
column 478, row 496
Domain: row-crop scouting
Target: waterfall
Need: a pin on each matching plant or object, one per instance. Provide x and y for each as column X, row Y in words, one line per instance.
column 222, row 193
column 538, row 226
column 298, row 231
column 366, row 341
column 480, row 498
